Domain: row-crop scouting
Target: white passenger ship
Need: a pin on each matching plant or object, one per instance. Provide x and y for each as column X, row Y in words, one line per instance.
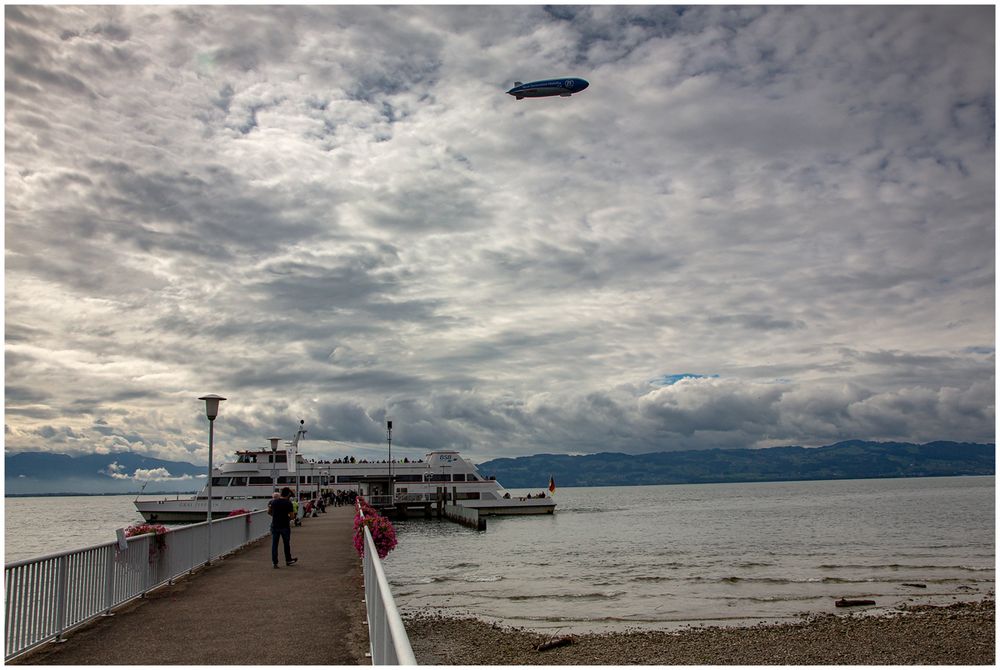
column 248, row 483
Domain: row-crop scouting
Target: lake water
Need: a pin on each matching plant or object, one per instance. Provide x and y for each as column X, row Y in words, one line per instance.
column 652, row 556
column 663, row 556
column 49, row 524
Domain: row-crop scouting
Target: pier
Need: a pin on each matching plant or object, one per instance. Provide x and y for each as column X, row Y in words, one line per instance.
column 440, row 504
column 240, row 611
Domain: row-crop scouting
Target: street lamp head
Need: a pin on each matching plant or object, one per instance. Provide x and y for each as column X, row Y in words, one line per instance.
column 212, row 405
column 274, row 443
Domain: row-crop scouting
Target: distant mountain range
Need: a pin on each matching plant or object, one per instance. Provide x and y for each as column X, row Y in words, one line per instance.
column 35, row 473
column 845, row 460
column 40, row 473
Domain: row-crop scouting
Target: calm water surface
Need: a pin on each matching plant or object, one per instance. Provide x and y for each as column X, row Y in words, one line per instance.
column 661, row 556
column 46, row 525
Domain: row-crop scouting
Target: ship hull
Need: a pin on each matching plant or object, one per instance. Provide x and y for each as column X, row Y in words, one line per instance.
column 494, row 509
column 192, row 510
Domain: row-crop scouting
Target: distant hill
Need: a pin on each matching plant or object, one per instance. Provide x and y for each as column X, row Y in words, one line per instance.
column 44, row 473
column 845, row 460
column 40, row 473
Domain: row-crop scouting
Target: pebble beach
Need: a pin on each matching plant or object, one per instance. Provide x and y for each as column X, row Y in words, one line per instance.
column 963, row 633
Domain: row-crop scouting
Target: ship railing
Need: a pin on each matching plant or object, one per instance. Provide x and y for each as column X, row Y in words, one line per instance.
column 47, row 596
column 387, row 636
column 388, row 501
column 414, row 497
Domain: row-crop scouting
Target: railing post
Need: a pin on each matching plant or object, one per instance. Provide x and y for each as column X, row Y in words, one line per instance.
column 109, row 580
column 62, row 580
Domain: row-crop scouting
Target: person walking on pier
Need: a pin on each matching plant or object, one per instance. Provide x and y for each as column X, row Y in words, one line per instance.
column 282, row 512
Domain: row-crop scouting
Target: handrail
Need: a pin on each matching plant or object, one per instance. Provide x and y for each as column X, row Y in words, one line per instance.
column 387, row 636
column 46, row 596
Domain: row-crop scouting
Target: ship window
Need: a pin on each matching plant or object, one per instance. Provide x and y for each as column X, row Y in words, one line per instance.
column 458, row 477
column 238, row 481
column 286, row 480
column 473, row 478
column 220, row 481
column 278, row 458
column 260, row 480
column 408, row 478
column 468, row 495
column 440, row 478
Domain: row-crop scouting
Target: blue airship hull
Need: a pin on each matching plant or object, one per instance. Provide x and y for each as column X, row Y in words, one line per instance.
column 548, row 87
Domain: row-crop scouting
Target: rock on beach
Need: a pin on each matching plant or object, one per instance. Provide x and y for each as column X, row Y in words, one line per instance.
column 960, row 634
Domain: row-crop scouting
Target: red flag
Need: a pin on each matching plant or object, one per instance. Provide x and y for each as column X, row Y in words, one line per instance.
column 552, row 485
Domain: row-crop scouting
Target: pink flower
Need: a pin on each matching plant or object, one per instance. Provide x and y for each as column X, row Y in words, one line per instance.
column 144, row 529
column 382, row 530
column 159, row 543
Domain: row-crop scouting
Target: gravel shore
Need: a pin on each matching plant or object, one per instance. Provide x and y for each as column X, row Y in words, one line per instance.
column 960, row 634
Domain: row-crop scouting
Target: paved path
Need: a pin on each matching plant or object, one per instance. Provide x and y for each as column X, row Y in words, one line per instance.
column 241, row 611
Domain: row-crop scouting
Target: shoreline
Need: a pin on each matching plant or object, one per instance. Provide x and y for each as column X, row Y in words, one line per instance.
column 962, row 633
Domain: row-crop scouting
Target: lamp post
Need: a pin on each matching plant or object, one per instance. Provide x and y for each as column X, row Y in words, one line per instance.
column 211, row 410
column 392, row 489
column 274, row 462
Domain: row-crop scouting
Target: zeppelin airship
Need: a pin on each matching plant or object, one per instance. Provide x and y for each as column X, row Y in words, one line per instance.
column 546, row 87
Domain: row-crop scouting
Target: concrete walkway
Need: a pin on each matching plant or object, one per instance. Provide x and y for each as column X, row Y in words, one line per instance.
column 241, row 611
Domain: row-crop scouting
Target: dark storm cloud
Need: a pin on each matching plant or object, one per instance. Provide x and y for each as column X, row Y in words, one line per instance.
column 756, row 322
column 335, row 213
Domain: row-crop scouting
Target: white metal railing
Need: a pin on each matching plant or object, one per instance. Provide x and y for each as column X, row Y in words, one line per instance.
column 385, row 500
column 46, row 596
column 414, row 497
column 387, row 637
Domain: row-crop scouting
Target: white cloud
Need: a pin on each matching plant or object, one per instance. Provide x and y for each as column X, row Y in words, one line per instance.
column 116, row 471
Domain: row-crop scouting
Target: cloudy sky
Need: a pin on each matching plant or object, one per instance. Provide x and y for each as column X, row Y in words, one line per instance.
column 757, row 227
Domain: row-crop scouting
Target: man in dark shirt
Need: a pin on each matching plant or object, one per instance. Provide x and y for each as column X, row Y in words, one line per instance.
column 281, row 512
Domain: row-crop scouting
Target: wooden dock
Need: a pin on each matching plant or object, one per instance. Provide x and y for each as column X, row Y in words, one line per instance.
column 240, row 611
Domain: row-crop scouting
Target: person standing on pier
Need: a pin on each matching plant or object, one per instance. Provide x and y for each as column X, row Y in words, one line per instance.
column 282, row 512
